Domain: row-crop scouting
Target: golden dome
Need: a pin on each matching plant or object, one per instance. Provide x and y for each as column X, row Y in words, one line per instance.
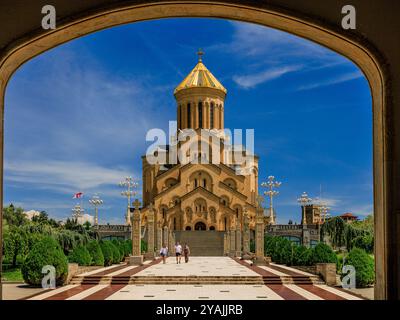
column 201, row 77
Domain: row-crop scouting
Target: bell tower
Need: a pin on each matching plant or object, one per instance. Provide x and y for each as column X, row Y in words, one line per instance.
column 200, row 99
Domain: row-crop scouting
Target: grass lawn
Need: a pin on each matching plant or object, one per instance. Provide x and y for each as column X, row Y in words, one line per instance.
column 12, row 275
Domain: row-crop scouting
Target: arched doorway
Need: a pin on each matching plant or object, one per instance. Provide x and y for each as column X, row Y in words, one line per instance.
column 200, row 226
column 188, row 228
column 212, row 228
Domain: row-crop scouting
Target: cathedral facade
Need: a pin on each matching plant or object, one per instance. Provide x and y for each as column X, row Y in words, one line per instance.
column 201, row 193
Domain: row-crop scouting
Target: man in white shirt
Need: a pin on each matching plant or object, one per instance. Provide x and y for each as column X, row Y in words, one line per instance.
column 178, row 252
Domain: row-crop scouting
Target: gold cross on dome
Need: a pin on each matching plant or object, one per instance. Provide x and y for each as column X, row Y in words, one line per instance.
column 200, row 52
column 136, row 204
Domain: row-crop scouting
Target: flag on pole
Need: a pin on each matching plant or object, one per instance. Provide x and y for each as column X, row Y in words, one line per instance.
column 78, row 195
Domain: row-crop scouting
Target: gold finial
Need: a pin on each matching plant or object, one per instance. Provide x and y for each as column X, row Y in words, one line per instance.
column 200, row 52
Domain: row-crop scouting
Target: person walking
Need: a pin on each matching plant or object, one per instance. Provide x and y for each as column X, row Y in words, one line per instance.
column 164, row 253
column 186, row 252
column 178, row 252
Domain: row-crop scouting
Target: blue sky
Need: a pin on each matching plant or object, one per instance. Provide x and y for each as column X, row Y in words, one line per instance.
column 76, row 116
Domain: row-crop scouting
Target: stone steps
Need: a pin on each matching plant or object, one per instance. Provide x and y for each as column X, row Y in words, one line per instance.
column 193, row 279
column 202, row 243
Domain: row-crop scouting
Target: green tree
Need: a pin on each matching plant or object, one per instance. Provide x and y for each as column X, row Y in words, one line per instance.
column 364, row 266
column 45, row 252
column 15, row 244
column 14, row 216
column 80, row 255
column 96, row 253
column 323, row 253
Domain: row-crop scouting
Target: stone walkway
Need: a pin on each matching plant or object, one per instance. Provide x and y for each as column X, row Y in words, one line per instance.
column 203, row 267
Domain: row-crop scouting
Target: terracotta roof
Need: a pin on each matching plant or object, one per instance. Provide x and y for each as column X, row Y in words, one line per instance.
column 348, row 215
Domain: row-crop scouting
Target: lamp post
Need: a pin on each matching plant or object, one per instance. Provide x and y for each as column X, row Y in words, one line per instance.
column 96, row 202
column 304, row 200
column 77, row 211
column 129, row 184
column 271, row 184
column 325, row 212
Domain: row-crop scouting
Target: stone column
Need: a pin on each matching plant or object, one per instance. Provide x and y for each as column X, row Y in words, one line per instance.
column 259, row 236
column 246, row 236
column 171, row 242
column 159, row 236
column 165, row 236
column 232, row 242
column 226, row 243
column 238, row 235
column 136, row 258
column 150, row 232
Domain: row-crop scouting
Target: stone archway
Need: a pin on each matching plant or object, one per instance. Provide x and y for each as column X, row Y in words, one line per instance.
column 319, row 27
column 200, row 226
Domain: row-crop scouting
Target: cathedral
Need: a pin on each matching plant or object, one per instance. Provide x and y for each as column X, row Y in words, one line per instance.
column 200, row 194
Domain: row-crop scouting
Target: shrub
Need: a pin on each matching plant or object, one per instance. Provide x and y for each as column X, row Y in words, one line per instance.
column 364, row 265
column 96, row 253
column 301, row 256
column 45, row 252
column 115, row 253
column 81, row 256
column 143, row 246
column 365, row 242
column 323, row 253
column 283, row 252
column 107, row 251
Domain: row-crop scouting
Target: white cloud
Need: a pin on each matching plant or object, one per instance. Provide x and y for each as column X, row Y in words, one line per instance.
column 31, row 213
column 86, row 218
column 251, row 80
column 340, row 79
column 69, row 176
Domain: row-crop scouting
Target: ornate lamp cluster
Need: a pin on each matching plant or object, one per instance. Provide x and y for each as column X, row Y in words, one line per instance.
column 96, row 202
column 271, row 193
column 129, row 184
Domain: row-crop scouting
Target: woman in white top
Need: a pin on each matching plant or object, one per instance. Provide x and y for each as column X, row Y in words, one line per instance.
column 164, row 252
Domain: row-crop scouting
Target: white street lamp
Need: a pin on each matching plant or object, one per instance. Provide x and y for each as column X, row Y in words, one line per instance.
column 129, row 184
column 96, row 202
column 304, row 200
column 270, row 185
column 77, row 211
column 325, row 212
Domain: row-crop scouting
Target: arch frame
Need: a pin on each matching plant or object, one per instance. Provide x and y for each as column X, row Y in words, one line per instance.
column 358, row 50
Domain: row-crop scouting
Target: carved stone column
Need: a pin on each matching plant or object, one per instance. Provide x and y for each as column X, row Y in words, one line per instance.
column 259, row 236
column 171, row 242
column 238, row 235
column 165, row 236
column 226, row 243
column 159, row 236
column 136, row 258
column 246, row 236
column 232, row 242
column 150, row 232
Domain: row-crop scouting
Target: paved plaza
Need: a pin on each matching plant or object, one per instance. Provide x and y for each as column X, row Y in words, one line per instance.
column 211, row 268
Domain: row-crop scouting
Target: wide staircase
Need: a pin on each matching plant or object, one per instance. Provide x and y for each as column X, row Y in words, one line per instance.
column 202, row 243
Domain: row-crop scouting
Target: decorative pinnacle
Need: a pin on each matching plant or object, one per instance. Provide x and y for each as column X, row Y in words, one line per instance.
column 200, row 53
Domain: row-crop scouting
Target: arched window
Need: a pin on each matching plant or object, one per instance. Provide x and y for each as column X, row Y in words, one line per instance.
column 200, row 111
column 188, row 116
column 195, row 183
column 180, row 116
column 212, row 115
column 174, row 223
column 225, row 223
column 204, row 183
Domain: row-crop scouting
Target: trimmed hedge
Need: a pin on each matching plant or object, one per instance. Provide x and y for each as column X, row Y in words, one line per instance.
column 107, row 250
column 96, row 253
column 301, row 256
column 45, row 252
column 364, row 265
column 322, row 253
column 81, row 256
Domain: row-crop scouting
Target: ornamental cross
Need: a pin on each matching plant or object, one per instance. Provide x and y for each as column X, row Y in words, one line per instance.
column 136, row 204
column 200, row 52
